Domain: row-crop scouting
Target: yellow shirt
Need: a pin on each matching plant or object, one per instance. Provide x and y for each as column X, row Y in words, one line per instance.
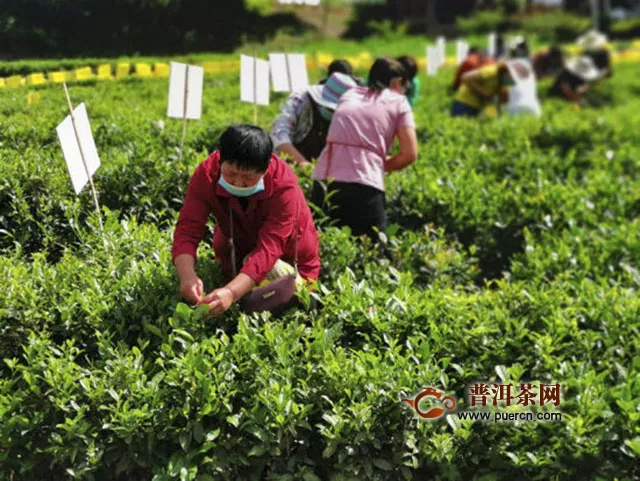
column 488, row 80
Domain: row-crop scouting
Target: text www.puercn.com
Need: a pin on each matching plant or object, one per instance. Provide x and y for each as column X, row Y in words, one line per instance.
column 509, row 416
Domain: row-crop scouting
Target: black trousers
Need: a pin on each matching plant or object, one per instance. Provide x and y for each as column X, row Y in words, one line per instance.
column 358, row 206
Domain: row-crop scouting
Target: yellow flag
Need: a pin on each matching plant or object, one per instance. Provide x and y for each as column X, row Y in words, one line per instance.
column 57, row 77
column 36, row 78
column 122, row 70
column 84, row 73
column 143, row 70
column 451, row 60
column 353, row 60
column 211, row 67
column 230, row 65
column 33, row 98
column 15, row 81
column 573, row 50
column 490, row 111
column 365, row 58
column 324, row 59
column 104, row 72
column 161, row 69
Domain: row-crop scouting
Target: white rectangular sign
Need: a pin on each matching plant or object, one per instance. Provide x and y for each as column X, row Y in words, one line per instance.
column 298, row 71
column 279, row 72
column 462, row 51
column 262, row 82
column 442, row 50
column 491, row 45
column 254, row 80
column 71, row 149
column 433, row 61
column 185, row 82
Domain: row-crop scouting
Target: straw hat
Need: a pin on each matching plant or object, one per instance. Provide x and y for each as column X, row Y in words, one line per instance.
column 328, row 95
column 582, row 67
column 592, row 40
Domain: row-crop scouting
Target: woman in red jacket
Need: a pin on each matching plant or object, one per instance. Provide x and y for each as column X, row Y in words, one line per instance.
column 263, row 192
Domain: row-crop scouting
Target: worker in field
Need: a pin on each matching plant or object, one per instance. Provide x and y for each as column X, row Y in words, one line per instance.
column 256, row 200
column 413, row 90
column 481, row 87
column 549, row 62
column 573, row 82
column 300, row 131
column 594, row 46
column 349, row 179
column 476, row 58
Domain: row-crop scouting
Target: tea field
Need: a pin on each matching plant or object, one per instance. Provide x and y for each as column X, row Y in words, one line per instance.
column 512, row 257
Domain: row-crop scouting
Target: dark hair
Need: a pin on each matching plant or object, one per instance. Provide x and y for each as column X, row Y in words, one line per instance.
column 473, row 49
column 248, row 147
column 555, row 53
column 410, row 65
column 340, row 66
column 383, row 71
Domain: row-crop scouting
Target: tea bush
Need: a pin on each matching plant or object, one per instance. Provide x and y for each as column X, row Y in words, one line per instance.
column 512, row 254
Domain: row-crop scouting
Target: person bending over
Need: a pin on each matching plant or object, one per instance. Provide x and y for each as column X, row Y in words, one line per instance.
column 246, row 182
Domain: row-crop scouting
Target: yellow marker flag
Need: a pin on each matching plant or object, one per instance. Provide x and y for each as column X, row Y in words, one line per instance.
column 161, row 69
column 354, row 61
column 84, row 73
column 57, row 77
column 33, row 98
column 490, row 111
column 104, row 72
column 324, row 59
column 15, row 81
column 230, row 66
column 2, row 83
column 143, row 70
column 122, row 70
column 573, row 50
column 211, row 67
column 365, row 58
column 36, row 78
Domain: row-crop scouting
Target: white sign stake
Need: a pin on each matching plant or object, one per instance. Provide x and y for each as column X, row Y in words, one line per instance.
column 288, row 72
column 254, row 82
column 79, row 150
column 298, row 71
column 441, row 44
column 491, row 45
column 462, row 51
column 433, row 61
column 185, row 95
column 279, row 72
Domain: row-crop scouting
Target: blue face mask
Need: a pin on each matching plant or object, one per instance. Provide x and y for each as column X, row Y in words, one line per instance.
column 241, row 191
column 325, row 112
